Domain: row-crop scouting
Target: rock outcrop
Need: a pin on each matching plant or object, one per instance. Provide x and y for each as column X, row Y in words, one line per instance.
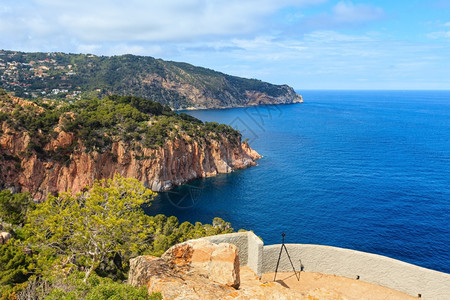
column 195, row 269
column 219, row 263
column 157, row 276
column 258, row 98
column 173, row 164
column 198, row 269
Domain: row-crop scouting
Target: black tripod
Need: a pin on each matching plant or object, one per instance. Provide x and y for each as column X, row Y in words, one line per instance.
column 283, row 246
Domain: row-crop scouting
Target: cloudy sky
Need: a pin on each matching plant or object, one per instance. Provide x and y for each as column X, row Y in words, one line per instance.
column 308, row 44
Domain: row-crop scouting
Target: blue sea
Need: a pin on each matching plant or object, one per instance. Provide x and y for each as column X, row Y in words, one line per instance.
column 366, row 170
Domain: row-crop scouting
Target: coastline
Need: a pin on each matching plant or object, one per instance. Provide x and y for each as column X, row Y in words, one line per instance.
column 235, row 106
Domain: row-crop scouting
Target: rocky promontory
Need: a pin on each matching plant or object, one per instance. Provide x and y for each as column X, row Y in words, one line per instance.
column 47, row 148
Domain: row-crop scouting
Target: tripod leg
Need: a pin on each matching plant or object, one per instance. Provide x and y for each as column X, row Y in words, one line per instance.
column 293, row 268
column 278, row 263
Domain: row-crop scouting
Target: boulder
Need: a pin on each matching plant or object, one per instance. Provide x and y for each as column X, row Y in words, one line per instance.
column 218, row 263
column 173, row 283
column 4, row 237
column 143, row 267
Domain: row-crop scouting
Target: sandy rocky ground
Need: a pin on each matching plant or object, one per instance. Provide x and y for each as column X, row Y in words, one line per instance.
column 326, row 287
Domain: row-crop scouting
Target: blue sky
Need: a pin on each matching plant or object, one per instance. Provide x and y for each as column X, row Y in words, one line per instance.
column 308, row 44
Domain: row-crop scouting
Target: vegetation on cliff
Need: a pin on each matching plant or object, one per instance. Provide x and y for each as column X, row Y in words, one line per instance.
column 49, row 146
column 178, row 85
column 99, row 123
column 78, row 247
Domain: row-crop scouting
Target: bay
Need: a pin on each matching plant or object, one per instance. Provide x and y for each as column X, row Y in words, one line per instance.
column 365, row 170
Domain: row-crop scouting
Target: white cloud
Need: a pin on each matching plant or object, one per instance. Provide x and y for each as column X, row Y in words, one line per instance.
column 327, row 36
column 139, row 20
column 331, row 60
column 344, row 14
column 88, row 48
column 439, row 35
column 447, row 24
column 347, row 12
column 134, row 49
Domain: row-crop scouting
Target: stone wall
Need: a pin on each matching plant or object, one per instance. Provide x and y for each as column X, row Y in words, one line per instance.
column 372, row 268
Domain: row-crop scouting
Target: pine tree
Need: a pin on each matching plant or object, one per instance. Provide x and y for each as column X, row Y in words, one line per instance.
column 94, row 226
column 14, row 207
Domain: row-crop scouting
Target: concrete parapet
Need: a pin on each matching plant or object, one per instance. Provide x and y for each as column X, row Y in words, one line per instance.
column 372, row 268
column 250, row 248
column 255, row 253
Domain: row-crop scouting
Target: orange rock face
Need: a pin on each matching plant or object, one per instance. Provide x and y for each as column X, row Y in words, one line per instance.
column 219, row 263
column 175, row 163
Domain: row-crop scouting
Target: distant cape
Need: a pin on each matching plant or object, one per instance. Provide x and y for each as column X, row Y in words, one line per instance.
column 174, row 84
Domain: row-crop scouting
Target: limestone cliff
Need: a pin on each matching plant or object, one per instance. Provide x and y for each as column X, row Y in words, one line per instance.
column 63, row 161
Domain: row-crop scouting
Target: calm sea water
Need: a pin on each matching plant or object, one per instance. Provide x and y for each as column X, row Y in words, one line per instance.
column 363, row 170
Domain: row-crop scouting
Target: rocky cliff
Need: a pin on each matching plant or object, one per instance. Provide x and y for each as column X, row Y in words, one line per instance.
column 61, row 160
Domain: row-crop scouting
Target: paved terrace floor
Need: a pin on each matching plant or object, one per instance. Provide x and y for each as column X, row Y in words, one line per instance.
column 325, row 287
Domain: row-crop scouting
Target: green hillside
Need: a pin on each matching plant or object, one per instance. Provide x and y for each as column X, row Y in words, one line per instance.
column 178, row 85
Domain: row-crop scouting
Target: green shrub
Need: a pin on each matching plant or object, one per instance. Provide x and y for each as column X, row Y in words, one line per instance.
column 14, row 207
column 116, row 291
column 14, row 264
column 74, row 288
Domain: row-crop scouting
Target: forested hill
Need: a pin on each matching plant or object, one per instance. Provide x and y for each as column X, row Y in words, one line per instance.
column 178, row 85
